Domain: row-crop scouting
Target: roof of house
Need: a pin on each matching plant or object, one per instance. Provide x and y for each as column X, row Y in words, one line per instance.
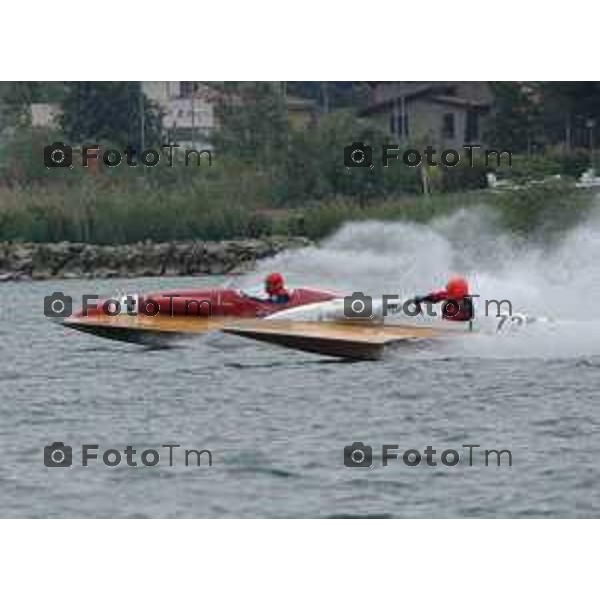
column 300, row 104
column 435, row 92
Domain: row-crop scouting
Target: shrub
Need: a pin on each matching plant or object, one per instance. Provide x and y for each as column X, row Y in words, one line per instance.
column 464, row 176
column 542, row 210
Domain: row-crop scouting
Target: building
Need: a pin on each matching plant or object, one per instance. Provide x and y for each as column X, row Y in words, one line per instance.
column 443, row 113
column 188, row 109
column 302, row 112
column 45, row 115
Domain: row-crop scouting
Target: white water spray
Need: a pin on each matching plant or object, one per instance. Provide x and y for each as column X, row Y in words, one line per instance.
column 560, row 282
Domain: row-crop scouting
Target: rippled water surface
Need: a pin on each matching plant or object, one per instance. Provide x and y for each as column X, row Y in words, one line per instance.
column 276, row 421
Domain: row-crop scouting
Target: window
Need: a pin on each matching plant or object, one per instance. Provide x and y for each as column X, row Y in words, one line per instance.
column 405, row 130
column 448, row 126
column 472, row 127
column 396, row 125
column 187, row 88
column 183, row 134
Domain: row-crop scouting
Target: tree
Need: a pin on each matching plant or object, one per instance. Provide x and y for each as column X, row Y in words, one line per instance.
column 15, row 100
column 517, row 119
column 111, row 111
column 316, row 169
column 254, row 127
column 568, row 106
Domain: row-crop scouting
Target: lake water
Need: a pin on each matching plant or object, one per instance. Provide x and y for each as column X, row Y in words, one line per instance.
column 277, row 421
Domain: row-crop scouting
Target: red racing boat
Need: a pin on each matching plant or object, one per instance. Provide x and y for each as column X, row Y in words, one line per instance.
column 156, row 318
column 306, row 319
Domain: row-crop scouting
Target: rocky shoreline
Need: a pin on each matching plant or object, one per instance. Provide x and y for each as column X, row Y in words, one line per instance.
column 25, row 261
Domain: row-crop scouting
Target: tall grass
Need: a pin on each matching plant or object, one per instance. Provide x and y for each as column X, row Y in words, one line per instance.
column 126, row 206
column 217, row 205
column 541, row 212
column 311, row 193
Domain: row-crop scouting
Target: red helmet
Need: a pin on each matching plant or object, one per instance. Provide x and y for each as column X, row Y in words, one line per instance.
column 457, row 287
column 274, row 282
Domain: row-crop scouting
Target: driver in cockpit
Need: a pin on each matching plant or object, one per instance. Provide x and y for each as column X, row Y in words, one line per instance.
column 275, row 288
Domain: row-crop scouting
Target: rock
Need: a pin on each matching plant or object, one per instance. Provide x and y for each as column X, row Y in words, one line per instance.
column 106, row 273
column 41, row 275
column 143, row 259
column 216, row 268
column 23, row 265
